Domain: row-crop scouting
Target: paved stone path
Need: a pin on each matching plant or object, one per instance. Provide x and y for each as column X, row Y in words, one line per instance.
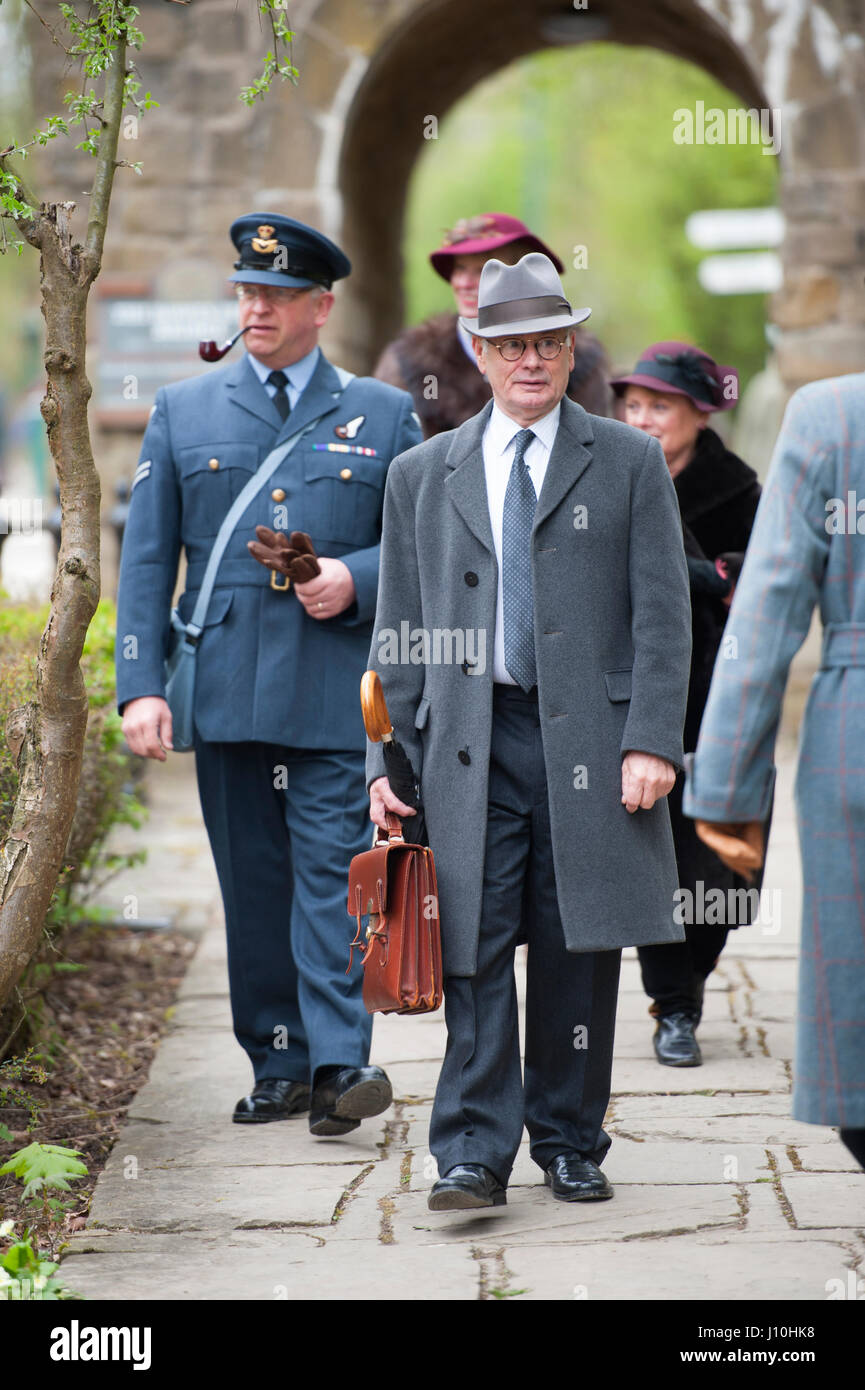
column 719, row 1194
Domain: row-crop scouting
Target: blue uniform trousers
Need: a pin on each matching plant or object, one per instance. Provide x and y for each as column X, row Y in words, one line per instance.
column 481, row 1103
column 283, row 824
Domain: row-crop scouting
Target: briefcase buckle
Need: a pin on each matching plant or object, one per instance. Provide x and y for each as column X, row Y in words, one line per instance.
column 280, row 588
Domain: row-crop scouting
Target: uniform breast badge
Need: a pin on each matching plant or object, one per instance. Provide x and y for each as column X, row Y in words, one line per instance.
column 350, row 428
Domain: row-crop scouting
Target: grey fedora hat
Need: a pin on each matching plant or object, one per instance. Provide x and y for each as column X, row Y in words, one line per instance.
column 522, row 298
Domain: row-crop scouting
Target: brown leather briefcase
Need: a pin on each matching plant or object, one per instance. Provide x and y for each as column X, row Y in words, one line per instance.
column 393, row 886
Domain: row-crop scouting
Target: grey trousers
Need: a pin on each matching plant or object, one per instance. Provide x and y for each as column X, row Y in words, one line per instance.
column 481, row 1102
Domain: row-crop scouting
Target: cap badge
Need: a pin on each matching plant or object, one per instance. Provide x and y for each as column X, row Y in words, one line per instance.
column 265, row 241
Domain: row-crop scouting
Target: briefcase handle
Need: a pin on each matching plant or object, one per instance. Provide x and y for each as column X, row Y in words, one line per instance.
column 394, row 833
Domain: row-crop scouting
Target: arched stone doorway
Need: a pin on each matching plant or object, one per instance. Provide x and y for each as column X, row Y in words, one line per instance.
column 338, row 150
column 798, row 60
column 424, row 69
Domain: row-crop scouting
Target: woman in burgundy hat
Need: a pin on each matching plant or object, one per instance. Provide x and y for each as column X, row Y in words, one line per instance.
column 441, row 350
column 671, row 395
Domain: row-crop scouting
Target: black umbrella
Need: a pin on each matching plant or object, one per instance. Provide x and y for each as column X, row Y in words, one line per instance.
column 400, row 773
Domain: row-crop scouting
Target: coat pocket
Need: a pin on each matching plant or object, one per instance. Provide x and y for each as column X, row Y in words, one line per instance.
column 618, row 684
column 217, row 609
column 211, row 476
column 343, row 496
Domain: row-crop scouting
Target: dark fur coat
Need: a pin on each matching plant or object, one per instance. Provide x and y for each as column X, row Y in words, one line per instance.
column 458, row 390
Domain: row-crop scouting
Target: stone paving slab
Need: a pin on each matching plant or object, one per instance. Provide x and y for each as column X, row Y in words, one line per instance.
column 204, row 1198
column 205, row 1145
column 816, row 1202
column 533, row 1214
column 286, row 1267
column 725, row 1067
column 685, row 1270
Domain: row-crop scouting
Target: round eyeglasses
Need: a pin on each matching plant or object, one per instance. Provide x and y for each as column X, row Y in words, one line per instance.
column 512, row 349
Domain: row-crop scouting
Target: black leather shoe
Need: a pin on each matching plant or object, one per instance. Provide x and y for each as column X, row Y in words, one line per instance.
column 676, row 1043
column 340, row 1101
column 272, row 1099
column 466, row 1187
column 573, row 1178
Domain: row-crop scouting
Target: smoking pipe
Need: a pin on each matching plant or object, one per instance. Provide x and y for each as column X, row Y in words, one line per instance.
column 209, row 352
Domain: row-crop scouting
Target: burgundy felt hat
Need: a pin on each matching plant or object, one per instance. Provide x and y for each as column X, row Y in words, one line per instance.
column 485, row 233
column 683, row 370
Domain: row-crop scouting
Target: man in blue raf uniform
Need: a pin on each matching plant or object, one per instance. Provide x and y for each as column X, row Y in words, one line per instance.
column 279, row 742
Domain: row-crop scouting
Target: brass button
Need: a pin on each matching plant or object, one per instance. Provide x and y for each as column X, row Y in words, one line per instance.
column 278, row 495
column 345, row 472
column 213, row 463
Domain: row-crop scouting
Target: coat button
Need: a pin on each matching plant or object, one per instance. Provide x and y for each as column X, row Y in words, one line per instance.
column 345, row 473
column 471, row 579
column 463, row 756
column 278, row 495
column 467, row 667
column 213, row 463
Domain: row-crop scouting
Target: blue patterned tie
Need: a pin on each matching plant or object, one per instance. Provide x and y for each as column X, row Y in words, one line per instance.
column 519, row 511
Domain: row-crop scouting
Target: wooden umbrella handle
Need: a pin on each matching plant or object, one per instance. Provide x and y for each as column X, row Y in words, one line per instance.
column 373, row 707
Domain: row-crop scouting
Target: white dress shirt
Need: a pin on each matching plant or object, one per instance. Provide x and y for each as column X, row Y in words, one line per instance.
column 498, row 450
column 298, row 373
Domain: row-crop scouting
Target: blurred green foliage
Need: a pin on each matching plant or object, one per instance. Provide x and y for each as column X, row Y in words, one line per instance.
column 105, row 797
column 579, row 143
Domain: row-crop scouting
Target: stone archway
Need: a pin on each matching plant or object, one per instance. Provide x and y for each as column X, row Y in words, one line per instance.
column 802, row 60
column 338, row 150
column 416, row 75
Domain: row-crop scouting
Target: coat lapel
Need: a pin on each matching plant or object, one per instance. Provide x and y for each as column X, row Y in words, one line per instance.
column 320, row 397
column 247, row 392
column 466, row 485
column 568, row 459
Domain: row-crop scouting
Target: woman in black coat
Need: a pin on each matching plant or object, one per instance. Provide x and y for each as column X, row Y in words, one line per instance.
column 671, row 394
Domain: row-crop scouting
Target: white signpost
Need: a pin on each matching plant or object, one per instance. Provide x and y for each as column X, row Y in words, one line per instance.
column 731, row 230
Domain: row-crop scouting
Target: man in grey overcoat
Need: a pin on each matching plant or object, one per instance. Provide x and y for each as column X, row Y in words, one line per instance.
column 532, row 635
column 807, row 548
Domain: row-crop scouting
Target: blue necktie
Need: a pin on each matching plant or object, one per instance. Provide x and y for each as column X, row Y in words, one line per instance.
column 519, row 511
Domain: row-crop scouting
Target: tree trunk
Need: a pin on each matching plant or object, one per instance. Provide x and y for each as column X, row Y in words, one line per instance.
column 47, row 735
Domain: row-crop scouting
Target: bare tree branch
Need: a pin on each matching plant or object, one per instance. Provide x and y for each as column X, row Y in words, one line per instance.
column 106, row 159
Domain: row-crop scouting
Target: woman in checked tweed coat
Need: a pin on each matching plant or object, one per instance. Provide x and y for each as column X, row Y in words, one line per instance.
column 807, row 548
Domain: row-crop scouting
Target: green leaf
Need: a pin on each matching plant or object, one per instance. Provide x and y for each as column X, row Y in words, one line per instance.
column 45, row 1165
column 5, row 1134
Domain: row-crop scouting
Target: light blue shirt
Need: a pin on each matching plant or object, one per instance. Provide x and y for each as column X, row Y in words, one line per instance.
column 299, row 374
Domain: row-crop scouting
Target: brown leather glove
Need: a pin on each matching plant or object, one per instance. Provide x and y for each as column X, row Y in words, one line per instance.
column 294, row 556
column 739, row 846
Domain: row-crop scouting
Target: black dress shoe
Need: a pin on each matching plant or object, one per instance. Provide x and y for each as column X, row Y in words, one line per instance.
column 272, row 1099
column 573, row 1178
column 676, row 1043
column 465, row 1188
column 341, row 1099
